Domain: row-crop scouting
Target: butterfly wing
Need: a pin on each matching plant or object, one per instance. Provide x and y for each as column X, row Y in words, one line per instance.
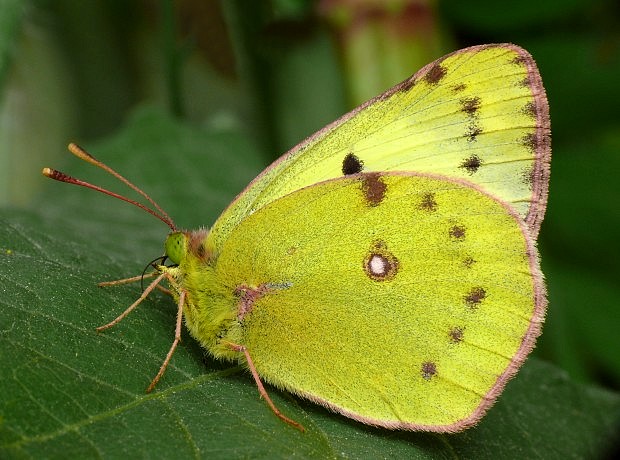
column 400, row 300
column 480, row 114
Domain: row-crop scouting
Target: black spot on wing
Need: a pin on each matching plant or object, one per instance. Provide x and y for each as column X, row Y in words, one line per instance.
column 374, row 188
column 470, row 105
column 428, row 202
column 352, row 164
column 531, row 109
column 407, row 85
column 473, row 131
column 428, row 370
column 457, row 232
column 456, row 334
column 475, row 297
column 435, row 74
column 471, row 164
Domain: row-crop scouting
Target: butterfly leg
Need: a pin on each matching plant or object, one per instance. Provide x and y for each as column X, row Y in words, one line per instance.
column 177, row 340
column 261, row 388
column 134, row 279
column 147, row 291
column 143, row 296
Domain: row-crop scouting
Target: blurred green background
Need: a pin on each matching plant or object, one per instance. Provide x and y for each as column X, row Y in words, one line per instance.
column 281, row 69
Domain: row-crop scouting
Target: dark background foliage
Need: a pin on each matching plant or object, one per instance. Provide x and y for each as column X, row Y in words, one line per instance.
column 190, row 99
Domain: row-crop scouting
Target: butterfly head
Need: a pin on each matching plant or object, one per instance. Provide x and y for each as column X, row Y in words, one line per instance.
column 181, row 245
column 176, row 246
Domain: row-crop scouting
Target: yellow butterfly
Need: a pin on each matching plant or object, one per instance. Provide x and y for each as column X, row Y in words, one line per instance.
column 385, row 267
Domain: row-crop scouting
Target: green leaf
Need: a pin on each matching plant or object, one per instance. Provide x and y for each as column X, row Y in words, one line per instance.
column 69, row 392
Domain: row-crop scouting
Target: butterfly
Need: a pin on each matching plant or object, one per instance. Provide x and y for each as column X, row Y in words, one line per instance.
column 386, row 267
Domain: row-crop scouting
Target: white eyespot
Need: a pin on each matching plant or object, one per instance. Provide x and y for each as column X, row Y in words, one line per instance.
column 378, row 265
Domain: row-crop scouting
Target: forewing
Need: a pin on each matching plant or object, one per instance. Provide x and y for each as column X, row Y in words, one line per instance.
column 480, row 114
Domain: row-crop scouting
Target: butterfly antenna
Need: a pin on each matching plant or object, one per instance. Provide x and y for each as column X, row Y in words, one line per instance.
column 83, row 155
